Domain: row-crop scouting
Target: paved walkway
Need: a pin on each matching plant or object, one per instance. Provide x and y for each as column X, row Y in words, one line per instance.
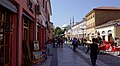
column 86, row 57
column 67, row 57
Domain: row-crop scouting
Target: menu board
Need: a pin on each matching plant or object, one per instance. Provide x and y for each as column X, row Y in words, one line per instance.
column 37, row 56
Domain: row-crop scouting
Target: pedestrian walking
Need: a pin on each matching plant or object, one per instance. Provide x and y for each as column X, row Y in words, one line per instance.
column 53, row 42
column 78, row 41
column 99, row 40
column 82, row 41
column 74, row 43
column 94, row 51
column 61, row 42
column 66, row 40
column 116, row 41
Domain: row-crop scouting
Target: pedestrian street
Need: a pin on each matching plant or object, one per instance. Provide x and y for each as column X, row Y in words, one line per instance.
column 67, row 57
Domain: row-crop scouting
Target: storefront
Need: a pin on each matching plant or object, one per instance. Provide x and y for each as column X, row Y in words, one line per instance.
column 7, row 34
column 109, row 30
column 27, row 40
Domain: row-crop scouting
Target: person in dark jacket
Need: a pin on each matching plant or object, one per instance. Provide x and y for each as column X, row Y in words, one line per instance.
column 58, row 42
column 94, row 51
column 74, row 43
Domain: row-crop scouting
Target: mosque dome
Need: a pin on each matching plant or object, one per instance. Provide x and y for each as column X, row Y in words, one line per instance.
column 65, row 25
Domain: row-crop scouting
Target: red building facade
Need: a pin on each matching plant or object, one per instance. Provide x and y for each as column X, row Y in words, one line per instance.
column 21, row 23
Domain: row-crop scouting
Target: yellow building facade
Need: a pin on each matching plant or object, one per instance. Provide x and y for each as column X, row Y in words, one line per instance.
column 99, row 16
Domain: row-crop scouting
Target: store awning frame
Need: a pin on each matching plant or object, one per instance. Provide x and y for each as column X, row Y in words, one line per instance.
column 7, row 4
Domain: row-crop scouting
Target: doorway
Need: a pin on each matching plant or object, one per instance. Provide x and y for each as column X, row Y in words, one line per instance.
column 26, row 53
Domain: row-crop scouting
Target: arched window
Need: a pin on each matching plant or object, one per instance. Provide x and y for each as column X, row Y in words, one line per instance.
column 109, row 31
column 109, row 35
column 103, row 35
column 103, row 32
column 98, row 33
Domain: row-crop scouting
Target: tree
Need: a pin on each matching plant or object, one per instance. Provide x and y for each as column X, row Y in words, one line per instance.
column 58, row 31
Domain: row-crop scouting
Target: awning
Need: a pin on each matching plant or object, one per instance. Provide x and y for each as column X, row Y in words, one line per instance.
column 27, row 16
column 8, row 5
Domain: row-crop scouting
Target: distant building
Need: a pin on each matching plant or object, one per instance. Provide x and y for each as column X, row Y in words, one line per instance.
column 66, row 27
column 78, row 30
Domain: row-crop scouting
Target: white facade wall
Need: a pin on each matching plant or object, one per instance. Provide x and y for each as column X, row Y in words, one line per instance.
column 106, row 29
column 76, row 30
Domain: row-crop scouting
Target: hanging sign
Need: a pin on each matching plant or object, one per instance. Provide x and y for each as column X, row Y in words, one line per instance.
column 36, row 45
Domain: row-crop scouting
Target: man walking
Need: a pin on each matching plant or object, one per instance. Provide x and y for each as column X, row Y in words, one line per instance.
column 74, row 43
column 94, row 51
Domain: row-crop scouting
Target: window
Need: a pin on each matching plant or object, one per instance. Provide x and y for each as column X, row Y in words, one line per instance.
column 103, row 32
column 5, row 35
column 98, row 33
column 109, row 35
column 109, row 32
column 29, row 4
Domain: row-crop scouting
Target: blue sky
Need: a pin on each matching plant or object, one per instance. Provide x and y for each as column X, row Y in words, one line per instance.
column 63, row 10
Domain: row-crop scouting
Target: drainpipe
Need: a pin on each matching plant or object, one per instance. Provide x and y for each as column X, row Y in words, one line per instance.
column 19, row 45
column 36, row 26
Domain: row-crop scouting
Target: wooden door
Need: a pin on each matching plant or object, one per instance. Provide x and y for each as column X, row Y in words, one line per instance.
column 25, row 44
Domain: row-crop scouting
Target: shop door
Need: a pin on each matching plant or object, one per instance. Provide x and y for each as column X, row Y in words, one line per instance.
column 25, row 44
column 6, row 34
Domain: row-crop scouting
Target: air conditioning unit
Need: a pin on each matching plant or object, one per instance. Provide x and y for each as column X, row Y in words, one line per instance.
column 37, row 9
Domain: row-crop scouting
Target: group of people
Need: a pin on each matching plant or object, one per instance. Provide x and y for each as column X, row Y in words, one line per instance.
column 93, row 47
column 76, row 42
column 58, row 42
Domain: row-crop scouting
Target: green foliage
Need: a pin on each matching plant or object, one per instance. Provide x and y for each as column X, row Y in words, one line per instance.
column 58, row 31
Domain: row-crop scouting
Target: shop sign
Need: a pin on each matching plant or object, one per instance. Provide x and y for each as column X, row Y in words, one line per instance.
column 37, row 56
column 36, row 45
